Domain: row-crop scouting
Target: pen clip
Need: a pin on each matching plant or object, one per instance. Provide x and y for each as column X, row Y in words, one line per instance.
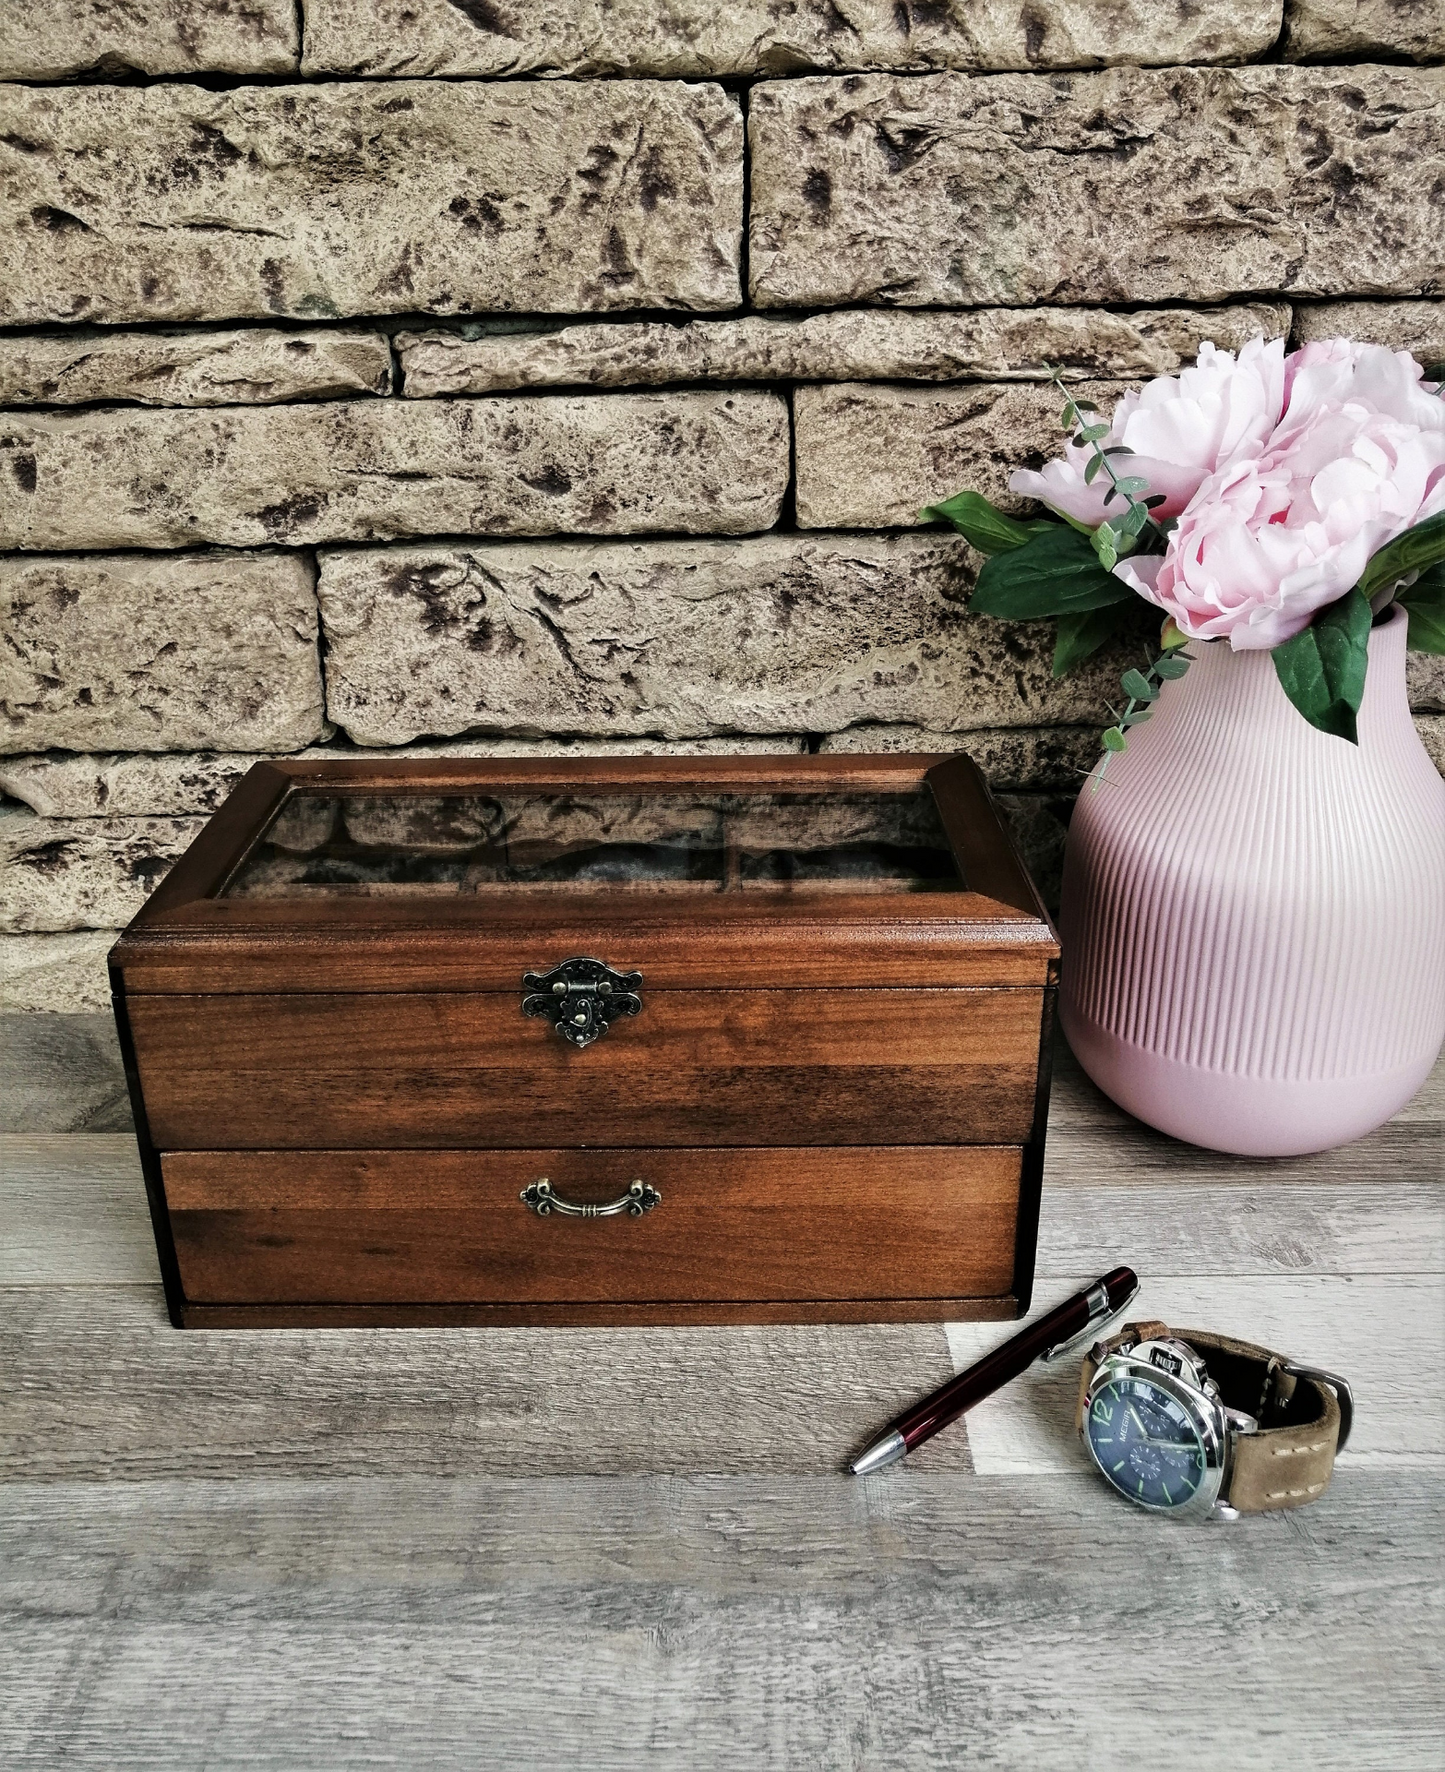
column 1098, row 1302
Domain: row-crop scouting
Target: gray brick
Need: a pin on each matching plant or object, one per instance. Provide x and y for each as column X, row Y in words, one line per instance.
column 780, row 634
column 870, row 456
column 60, row 39
column 1333, row 30
column 170, row 202
column 692, row 37
column 366, row 470
column 858, row 345
column 1131, row 185
column 57, row 974
column 1425, row 682
column 158, row 654
column 1414, row 326
column 170, row 368
column 61, row 874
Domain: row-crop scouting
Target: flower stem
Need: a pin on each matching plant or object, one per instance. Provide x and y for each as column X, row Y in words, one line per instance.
column 1110, row 539
column 1143, row 688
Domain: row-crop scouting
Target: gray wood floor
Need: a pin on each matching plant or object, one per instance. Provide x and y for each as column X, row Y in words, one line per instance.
column 476, row 1548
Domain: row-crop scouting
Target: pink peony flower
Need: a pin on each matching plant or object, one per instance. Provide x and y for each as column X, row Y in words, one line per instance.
column 1266, row 542
column 1182, row 428
column 1339, row 372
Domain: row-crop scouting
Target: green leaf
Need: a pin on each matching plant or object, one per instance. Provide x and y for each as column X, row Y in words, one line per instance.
column 1435, row 372
column 1134, row 520
column 1117, row 449
column 1114, row 740
column 1054, row 573
column 1137, row 685
column 1085, row 406
column 1132, row 484
column 1081, row 635
column 981, row 523
column 1322, row 670
column 1137, row 717
column 1170, row 668
column 1413, row 551
column 1091, row 470
column 1425, row 602
column 1106, row 545
column 1091, row 434
column 1172, row 636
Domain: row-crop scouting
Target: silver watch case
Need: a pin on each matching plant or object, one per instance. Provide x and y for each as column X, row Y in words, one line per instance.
column 1180, row 1371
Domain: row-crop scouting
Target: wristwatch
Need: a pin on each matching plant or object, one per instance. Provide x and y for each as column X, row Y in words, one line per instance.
column 1200, row 1426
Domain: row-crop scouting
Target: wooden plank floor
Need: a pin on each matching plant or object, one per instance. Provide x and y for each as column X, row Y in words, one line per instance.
column 475, row 1548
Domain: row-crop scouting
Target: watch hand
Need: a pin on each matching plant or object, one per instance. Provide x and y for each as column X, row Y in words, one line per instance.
column 1165, row 1445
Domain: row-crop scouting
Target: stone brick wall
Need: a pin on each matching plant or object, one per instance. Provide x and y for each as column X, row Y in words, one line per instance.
column 486, row 376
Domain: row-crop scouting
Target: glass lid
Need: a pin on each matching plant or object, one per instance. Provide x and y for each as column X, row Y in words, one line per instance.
column 422, row 844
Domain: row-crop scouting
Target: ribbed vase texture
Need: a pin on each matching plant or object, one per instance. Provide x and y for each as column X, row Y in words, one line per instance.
column 1254, row 912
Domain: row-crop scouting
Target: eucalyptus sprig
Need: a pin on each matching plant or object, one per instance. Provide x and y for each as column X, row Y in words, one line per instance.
column 1142, row 689
column 1112, row 540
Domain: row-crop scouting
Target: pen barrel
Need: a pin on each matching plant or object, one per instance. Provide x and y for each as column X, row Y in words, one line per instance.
column 992, row 1372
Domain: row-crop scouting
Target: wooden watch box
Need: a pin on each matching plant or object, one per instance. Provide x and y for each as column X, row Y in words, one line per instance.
column 644, row 1041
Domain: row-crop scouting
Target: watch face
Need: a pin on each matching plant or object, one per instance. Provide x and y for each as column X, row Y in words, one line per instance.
column 1145, row 1442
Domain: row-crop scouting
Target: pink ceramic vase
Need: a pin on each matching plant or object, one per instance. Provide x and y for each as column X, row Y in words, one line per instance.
column 1254, row 912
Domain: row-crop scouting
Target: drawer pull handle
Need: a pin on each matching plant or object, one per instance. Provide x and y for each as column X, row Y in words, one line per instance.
column 639, row 1198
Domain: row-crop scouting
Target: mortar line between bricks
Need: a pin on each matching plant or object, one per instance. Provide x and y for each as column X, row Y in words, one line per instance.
column 296, row 545
column 1275, row 52
column 787, row 522
column 362, row 397
column 536, row 323
column 744, row 243
column 225, row 80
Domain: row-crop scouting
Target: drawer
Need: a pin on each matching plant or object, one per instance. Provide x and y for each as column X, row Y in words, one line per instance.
column 468, row 1071
column 448, row 1227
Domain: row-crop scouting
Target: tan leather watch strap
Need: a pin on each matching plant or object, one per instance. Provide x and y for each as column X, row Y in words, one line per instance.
column 1291, row 1459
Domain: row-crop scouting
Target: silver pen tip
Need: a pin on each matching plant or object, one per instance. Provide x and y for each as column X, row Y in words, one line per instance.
column 888, row 1450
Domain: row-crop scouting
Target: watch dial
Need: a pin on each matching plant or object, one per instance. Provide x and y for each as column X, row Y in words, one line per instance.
column 1143, row 1440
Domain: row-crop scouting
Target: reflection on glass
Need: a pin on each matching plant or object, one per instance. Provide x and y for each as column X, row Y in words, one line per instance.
column 420, row 844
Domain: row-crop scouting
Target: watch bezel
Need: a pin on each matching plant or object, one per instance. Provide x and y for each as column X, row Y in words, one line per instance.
column 1206, row 1416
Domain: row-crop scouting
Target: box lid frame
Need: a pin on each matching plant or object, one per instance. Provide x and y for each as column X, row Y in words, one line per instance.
column 188, row 938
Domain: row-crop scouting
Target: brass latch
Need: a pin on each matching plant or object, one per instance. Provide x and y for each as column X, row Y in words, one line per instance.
column 581, row 998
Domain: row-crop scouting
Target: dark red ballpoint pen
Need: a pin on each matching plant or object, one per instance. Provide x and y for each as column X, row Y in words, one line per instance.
column 1075, row 1318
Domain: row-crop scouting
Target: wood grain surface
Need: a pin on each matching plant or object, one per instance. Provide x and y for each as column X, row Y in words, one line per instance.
column 450, row 1227
column 72, row 1209
column 95, row 1384
column 860, row 944
column 607, row 1314
column 923, row 1622
column 61, row 1073
column 695, row 1067
column 607, row 1548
